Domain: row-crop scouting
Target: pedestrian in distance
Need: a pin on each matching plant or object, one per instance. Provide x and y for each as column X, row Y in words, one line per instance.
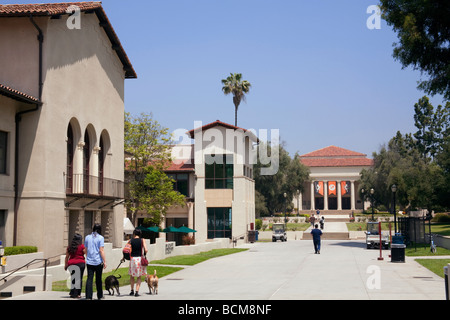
column 316, row 234
column 76, row 263
column 312, row 219
column 95, row 261
column 136, row 269
column 322, row 222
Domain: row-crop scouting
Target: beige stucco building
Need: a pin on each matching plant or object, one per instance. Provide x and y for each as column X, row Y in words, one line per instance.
column 215, row 173
column 333, row 180
column 62, row 116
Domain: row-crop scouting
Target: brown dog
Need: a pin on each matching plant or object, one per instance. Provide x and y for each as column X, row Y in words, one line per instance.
column 152, row 282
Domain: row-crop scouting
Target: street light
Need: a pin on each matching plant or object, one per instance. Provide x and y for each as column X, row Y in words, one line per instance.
column 285, row 219
column 298, row 199
column 394, row 190
column 371, row 201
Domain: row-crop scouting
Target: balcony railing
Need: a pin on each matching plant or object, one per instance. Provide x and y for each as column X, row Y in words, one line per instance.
column 92, row 185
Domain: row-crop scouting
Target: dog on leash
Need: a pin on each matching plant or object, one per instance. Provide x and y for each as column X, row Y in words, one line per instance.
column 152, row 282
column 112, row 283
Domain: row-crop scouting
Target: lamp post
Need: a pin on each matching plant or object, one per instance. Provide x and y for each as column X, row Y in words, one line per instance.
column 285, row 219
column 298, row 204
column 394, row 190
column 371, row 201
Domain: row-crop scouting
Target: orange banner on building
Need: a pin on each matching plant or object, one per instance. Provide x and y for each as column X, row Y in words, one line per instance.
column 332, row 188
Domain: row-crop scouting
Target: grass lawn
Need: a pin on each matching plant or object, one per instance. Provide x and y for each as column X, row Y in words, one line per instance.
column 190, row 260
column 362, row 226
column 440, row 228
column 435, row 265
column 161, row 271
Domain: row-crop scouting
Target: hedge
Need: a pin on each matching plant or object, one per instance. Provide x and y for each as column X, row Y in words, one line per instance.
column 11, row 251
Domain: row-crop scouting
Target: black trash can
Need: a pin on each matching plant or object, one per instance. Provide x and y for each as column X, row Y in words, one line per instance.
column 251, row 236
column 398, row 252
column 447, row 286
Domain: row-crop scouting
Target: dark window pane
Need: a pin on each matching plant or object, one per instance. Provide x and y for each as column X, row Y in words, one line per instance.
column 3, row 151
column 182, row 187
column 209, row 184
column 209, row 171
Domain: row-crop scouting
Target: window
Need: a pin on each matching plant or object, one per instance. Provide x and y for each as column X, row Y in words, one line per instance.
column 219, row 223
column 219, row 174
column 3, row 151
column 181, row 183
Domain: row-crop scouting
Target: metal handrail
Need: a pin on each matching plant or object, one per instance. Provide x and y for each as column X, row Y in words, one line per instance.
column 26, row 265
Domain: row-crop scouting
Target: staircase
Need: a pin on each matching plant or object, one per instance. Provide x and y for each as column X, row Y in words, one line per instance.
column 335, row 225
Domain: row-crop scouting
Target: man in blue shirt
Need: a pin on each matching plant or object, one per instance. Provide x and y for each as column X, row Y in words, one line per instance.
column 95, row 261
column 316, row 234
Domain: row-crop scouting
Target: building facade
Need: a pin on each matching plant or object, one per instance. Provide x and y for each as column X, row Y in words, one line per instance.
column 334, row 179
column 215, row 173
column 62, row 107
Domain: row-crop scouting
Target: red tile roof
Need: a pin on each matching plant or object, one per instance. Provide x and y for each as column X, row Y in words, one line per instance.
column 181, row 166
column 333, row 156
column 55, row 9
column 333, row 151
column 17, row 95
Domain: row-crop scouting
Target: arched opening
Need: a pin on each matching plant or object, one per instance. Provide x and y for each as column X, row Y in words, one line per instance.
column 86, row 160
column 70, row 156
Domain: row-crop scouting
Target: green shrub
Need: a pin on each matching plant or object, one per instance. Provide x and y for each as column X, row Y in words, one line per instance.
column 11, row 251
column 258, row 224
column 441, row 218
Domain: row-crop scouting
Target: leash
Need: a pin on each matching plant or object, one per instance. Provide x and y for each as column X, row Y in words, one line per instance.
column 121, row 261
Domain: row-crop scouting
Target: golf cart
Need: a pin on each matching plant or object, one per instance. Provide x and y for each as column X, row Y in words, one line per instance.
column 373, row 236
column 279, row 232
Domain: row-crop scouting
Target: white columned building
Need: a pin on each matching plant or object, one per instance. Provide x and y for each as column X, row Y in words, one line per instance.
column 334, row 180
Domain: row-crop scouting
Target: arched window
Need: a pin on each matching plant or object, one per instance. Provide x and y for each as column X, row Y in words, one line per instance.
column 86, row 159
column 70, row 155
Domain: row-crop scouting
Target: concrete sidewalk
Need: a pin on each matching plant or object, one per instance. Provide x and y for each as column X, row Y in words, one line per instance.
column 345, row 270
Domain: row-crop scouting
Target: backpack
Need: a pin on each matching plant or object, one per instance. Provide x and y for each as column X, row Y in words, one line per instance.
column 127, row 251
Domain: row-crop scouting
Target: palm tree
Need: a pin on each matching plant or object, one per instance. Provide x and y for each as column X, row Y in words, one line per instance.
column 233, row 84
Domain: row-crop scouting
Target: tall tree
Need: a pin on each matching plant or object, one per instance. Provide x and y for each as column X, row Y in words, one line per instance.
column 238, row 87
column 147, row 148
column 271, row 188
column 423, row 28
column 433, row 126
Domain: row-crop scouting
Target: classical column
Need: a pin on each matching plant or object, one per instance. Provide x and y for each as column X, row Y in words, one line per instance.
column 339, row 195
column 353, row 206
column 325, row 195
column 313, row 203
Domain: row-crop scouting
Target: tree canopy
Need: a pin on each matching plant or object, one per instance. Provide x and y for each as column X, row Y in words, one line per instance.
column 423, row 29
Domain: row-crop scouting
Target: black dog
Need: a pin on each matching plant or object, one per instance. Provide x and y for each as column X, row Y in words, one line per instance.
column 112, row 283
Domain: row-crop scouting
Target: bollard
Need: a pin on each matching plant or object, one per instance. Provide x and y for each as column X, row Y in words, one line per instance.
column 446, row 282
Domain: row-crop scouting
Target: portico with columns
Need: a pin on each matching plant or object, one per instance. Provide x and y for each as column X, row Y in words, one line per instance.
column 333, row 181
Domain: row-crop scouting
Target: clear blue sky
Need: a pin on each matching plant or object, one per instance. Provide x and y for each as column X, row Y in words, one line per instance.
column 318, row 74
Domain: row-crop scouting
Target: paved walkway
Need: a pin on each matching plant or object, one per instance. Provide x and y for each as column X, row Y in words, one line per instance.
column 345, row 270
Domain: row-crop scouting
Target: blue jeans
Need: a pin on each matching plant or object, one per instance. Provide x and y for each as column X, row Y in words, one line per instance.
column 91, row 270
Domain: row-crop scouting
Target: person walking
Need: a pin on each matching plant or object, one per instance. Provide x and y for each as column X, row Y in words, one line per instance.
column 136, row 269
column 76, row 263
column 322, row 222
column 316, row 234
column 95, row 261
column 312, row 219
